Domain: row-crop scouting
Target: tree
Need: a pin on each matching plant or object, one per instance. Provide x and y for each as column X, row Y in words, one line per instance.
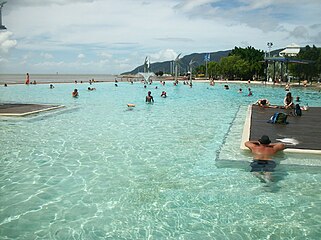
column 253, row 56
column 310, row 70
column 213, row 69
column 200, row 69
column 159, row 73
column 241, row 63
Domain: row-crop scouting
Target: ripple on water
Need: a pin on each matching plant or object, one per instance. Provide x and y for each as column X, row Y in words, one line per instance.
column 155, row 172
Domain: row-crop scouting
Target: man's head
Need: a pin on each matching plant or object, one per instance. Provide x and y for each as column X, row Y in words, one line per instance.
column 265, row 140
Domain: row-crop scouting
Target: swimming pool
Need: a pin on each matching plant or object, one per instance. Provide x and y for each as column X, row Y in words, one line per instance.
column 97, row 170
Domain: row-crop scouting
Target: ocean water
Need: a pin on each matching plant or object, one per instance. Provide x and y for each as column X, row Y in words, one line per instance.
column 99, row 170
column 55, row 78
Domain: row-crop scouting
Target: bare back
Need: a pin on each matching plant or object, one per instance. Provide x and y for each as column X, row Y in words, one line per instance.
column 264, row 151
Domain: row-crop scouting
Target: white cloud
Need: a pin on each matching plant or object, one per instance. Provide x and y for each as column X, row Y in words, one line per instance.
column 190, row 5
column 110, row 35
column 49, row 64
column 5, row 42
column 46, row 55
column 300, row 32
column 3, row 60
column 163, row 55
column 105, row 55
column 81, row 56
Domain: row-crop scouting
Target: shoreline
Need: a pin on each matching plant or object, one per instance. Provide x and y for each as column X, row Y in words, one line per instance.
column 39, row 78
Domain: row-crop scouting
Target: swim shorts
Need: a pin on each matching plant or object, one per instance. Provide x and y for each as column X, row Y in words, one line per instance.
column 262, row 166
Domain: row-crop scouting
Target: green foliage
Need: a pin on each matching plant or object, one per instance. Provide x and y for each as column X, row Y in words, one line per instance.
column 213, row 69
column 159, row 73
column 253, row 57
column 311, row 70
column 240, row 63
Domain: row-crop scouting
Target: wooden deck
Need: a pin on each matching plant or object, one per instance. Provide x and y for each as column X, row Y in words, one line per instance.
column 20, row 110
column 305, row 130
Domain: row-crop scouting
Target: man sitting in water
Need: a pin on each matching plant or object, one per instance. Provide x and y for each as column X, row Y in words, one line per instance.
column 75, row 93
column 262, row 151
column 149, row 97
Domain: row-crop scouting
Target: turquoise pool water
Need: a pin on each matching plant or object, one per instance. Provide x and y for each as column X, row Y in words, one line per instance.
column 97, row 170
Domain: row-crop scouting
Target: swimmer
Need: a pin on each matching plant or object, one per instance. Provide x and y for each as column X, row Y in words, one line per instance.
column 262, row 151
column 163, row 95
column 149, row 97
column 75, row 93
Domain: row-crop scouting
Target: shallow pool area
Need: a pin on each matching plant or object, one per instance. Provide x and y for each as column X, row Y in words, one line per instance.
column 100, row 170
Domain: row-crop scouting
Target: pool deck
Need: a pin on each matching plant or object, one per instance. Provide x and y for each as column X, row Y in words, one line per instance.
column 304, row 131
column 21, row 110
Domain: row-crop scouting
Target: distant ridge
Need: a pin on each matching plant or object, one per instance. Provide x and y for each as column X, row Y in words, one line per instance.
column 165, row 67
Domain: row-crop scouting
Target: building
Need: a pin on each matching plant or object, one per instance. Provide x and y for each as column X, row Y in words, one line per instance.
column 291, row 50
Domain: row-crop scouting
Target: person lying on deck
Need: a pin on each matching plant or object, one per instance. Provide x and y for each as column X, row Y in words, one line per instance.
column 262, row 151
column 263, row 102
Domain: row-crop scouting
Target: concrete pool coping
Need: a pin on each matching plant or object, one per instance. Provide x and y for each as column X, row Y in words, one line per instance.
column 21, row 110
column 305, row 129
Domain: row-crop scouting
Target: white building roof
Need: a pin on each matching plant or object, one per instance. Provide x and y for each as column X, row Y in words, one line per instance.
column 291, row 50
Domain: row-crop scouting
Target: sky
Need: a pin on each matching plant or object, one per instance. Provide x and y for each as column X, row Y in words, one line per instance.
column 111, row 37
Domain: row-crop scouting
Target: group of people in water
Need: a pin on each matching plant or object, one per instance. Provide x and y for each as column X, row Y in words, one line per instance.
column 262, row 149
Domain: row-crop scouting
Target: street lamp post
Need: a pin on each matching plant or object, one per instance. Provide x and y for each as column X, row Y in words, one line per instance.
column 269, row 44
column 2, row 27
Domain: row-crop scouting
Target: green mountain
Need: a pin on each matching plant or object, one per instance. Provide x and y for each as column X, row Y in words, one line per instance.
column 167, row 66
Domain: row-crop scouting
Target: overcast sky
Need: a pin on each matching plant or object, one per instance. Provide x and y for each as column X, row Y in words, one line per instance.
column 113, row 36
